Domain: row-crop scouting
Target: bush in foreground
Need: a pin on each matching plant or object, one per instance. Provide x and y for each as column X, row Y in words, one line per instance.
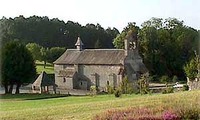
column 118, row 93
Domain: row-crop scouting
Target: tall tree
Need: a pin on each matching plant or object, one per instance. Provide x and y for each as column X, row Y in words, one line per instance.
column 119, row 40
column 55, row 53
column 44, row 55
column 35, row 50
column 18, row 66
column 166, row 45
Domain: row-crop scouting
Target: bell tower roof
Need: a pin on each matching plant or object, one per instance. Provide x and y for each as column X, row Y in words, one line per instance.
column 79, row 44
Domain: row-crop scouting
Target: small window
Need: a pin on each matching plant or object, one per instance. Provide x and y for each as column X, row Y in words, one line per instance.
column 81, row 83
column 64, row 80
column 33, row 87
column 107, row 82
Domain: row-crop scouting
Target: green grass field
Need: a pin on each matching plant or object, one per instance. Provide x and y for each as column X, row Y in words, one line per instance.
column 40, row 67
column 55, row 107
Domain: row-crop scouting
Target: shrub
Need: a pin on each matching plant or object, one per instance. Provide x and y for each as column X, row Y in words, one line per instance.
column 168, row 90
column 118, row 93
column 191, row 69
column 185, row 88
column 124, row 85
column 174, row 79
column 110, row 89
column 143, row 84
column 165, row 79
column 93, row 90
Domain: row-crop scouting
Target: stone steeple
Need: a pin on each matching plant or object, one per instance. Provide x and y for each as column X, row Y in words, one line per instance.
column 79, row 44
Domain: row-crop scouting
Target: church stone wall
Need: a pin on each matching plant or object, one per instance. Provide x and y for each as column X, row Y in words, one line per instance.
column 101, row 75
column 61, row 81
column 193, row 84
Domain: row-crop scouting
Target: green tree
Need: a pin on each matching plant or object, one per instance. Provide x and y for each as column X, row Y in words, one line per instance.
column 166, row 45
column 44, row 55
column 35, row 50
column 119, row 40
column 165, row 79
column 97, row 44
column 192, row 68
column 55, row 53
column 18, row 66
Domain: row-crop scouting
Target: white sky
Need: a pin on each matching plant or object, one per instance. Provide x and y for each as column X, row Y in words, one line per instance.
column 108, row 13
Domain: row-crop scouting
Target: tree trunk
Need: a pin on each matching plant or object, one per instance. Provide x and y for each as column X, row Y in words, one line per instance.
column 10, row 89
column 17, row 88
column 6, row 89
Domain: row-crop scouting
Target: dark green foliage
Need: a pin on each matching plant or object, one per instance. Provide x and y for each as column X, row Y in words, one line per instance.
column 18, row 66
column 118, row 93
column 143, row 84
column 126, row 87
column 44, row 55
column 35, row 50
column 175, row 79
column 119, row 40
column 54, row 53
column 168, row 90
column 166, row 45
column 165, row 79
column 191, row 68
column 153, row 78
column 110, row 89
column 55, row 33
column 185, row 88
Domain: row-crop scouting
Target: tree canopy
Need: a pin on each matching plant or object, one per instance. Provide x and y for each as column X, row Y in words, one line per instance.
column 18, row 66
column 119, row 40
column 54, row 32
column 165, row 45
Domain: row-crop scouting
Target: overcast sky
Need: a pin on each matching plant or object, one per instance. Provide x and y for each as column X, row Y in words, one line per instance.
column 108, row 13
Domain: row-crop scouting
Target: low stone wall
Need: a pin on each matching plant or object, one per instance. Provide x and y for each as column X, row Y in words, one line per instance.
column 193, row 84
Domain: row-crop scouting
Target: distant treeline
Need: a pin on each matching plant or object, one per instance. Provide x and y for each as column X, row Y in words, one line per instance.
column 55, row 33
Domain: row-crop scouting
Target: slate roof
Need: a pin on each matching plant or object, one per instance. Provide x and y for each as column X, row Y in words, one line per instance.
column 92, row 56
column 43, row 80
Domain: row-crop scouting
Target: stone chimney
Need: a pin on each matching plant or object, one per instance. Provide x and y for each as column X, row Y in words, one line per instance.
column 79, row 44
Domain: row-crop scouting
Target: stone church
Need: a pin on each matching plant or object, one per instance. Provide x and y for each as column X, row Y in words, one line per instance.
column 82, row 68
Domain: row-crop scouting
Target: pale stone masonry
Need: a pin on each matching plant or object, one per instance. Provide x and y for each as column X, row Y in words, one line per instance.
column 82, row 68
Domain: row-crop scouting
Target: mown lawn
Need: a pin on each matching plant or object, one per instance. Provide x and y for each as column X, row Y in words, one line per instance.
column 40, row 67
column 33, row 107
